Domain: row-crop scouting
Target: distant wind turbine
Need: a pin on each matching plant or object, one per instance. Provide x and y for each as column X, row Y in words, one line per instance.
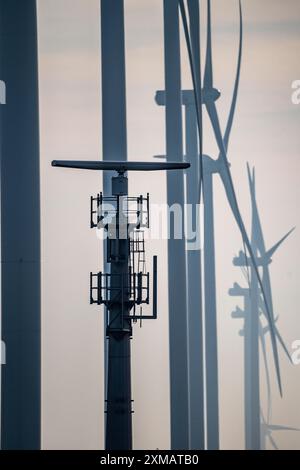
column 254, row 309
column 267, row 431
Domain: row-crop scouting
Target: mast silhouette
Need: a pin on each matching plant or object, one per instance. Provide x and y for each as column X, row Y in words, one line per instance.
column 124, row 287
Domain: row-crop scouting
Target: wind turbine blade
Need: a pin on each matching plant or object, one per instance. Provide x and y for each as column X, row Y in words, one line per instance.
column 263, row 430
column 277, row 427
column 284, row 347
column 272, row 250
column 273, row 443
column 197, row 88
column 264, row 423
column 278, row 335
column 195, row 63
column 231, row 196
column 208, row 73
column 250, row 179
column 236, row 84
column 268, row 292
column 258, row 237
column 194, row 21
column 254, row 177
column 268, row 381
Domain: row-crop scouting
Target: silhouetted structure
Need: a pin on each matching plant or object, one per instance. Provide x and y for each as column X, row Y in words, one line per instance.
column 208, row 97
column 194, row 287
column 267, row 430
column 114, row 131
column 256, row 428
column 178, row 329
column 210, row 167
column 193, row 256
column 125, row 288
column 20, row 227
column 113, row 83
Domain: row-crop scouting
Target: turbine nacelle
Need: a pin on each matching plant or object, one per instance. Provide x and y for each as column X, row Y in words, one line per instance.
column 238, row 313
column 211, row 166
column 210, row 95
column 242, row 261
column 238, row 291
column 188, row 96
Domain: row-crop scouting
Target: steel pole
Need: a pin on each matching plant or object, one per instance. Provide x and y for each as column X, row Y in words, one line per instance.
column 119, row 330
column 113, row 73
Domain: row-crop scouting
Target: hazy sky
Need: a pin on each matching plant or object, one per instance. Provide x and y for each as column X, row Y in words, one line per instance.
column 265, row 133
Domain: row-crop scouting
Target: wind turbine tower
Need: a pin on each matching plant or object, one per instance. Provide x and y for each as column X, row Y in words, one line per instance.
column 252, row 313
column 20, row 227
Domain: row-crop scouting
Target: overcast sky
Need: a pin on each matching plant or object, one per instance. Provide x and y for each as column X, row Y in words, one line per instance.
column 265, row 133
